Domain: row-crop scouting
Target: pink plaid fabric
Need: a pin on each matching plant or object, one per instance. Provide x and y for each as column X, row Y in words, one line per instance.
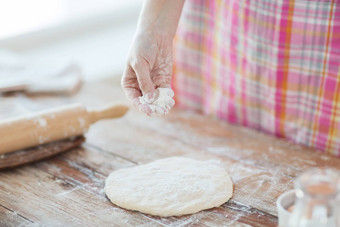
column 272, row 65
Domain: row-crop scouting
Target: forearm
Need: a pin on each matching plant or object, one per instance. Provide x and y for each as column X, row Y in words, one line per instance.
column 160, row 16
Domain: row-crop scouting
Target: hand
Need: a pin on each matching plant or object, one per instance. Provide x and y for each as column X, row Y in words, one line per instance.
column 149, row 67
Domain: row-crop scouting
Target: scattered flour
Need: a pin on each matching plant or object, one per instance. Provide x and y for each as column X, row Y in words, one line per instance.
column 42, row 139
column 162, row 104
column 41, row 121
column 81, row 121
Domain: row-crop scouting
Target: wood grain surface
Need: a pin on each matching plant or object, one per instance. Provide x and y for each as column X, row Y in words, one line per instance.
column 37, row 153
column 67, row 190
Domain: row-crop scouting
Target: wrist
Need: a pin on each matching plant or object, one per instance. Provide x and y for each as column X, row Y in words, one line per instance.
column 155, row 32
column 160, row 17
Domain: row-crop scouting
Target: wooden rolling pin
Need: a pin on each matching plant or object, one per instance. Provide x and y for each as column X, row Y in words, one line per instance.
column 52, row 125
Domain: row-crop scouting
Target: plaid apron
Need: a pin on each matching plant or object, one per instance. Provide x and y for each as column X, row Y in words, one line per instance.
column 272, row 65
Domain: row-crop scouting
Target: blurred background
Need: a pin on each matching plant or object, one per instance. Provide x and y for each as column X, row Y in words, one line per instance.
column 94, row 35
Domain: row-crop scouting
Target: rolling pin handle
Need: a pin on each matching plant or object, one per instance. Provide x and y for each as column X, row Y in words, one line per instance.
column 111, row 111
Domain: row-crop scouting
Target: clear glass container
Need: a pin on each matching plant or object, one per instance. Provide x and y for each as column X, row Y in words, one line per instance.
column 317, row 199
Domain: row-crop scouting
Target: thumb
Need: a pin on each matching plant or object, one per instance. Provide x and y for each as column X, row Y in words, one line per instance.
column 142, row 71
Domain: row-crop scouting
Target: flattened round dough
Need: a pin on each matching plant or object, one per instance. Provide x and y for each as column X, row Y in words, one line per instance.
column 170, row 187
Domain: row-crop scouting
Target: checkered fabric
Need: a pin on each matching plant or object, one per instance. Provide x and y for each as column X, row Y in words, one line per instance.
column 272, row 65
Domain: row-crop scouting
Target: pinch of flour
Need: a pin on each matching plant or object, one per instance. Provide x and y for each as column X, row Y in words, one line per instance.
column 162, row 104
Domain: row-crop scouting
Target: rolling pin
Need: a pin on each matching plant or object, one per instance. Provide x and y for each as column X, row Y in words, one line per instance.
column 52, row 125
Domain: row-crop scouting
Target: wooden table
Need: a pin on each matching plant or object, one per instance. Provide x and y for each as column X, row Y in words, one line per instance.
column 67, row 190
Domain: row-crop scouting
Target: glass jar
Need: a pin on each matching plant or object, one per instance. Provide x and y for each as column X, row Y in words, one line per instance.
column 317, row 199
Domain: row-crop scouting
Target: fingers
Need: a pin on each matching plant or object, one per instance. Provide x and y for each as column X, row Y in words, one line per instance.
column 130, row 84
column 142, row 70
column 145, row 108
column 132, row 90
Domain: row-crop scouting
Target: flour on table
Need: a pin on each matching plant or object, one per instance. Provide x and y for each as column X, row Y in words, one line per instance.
column 170, row 187
column 162, row 104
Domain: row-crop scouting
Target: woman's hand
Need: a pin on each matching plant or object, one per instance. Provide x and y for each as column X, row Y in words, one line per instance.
column 149, row 64
column 149, row 67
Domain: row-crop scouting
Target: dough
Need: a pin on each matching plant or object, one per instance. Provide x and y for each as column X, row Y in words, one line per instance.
column 170, row 187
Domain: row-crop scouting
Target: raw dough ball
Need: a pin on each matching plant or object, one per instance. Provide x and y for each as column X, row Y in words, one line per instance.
column 170, row 187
